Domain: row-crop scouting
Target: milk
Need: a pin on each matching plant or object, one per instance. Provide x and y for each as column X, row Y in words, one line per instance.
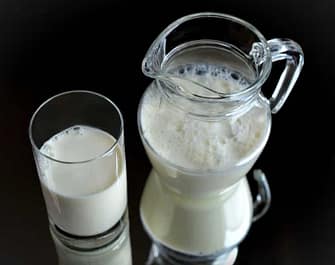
column 87, row 195
column 197, row 200
column 198, row 155
column 196, row 225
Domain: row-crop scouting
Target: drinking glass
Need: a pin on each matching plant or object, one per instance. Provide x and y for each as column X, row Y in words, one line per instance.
column 78, row 147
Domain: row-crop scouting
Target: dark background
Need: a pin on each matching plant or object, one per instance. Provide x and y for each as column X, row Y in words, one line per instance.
column 54, row 45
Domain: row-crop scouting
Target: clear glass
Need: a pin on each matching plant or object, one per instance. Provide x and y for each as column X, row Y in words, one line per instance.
column 78, row 146
column 221, row 40
column 204, row 122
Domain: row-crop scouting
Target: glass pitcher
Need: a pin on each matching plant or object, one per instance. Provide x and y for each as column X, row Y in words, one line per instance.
column 204, row 122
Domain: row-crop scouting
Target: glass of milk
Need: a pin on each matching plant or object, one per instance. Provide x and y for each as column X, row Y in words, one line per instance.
column 204, row 122
column 78, row 146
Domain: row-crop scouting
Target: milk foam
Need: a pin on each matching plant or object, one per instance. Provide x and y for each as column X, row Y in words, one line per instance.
column 199, row 144
column 83, row 198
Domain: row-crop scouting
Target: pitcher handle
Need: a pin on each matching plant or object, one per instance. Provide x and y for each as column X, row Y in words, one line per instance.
column 285, row 49
column 263, row 198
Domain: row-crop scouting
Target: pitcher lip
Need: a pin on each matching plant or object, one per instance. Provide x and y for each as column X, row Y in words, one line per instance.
column 261, row 78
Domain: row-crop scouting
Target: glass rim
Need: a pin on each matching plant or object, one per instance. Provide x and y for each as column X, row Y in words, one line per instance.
column 99, row 156
column 267, row 63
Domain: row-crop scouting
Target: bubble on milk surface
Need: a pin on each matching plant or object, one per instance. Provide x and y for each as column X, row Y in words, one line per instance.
column 210, row 72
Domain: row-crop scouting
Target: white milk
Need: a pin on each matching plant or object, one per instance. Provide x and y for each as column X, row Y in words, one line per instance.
column 85, row 198
column 196, row 225
column 225, row 149
column 197, row 144
column 190, row 206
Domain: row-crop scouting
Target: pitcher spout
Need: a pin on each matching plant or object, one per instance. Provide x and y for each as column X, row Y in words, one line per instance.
column 153, row 60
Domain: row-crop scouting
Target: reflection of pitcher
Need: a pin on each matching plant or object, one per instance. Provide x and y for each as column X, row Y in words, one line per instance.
column 204, row 121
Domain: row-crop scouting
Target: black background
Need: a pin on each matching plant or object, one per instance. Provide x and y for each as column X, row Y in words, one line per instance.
column 51, row 46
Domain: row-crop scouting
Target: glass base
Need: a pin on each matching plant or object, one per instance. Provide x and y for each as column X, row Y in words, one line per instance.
column 161, row 255
column 88, row 243
column 110, row 248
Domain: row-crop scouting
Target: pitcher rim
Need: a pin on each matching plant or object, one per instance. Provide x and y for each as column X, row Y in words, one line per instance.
column 257, row 83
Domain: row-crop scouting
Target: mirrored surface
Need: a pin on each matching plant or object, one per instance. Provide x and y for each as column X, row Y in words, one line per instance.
column 48, row 47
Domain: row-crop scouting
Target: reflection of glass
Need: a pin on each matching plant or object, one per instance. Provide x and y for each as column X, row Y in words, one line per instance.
column 78, row 146
column 79, row 252
column 204, row 122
